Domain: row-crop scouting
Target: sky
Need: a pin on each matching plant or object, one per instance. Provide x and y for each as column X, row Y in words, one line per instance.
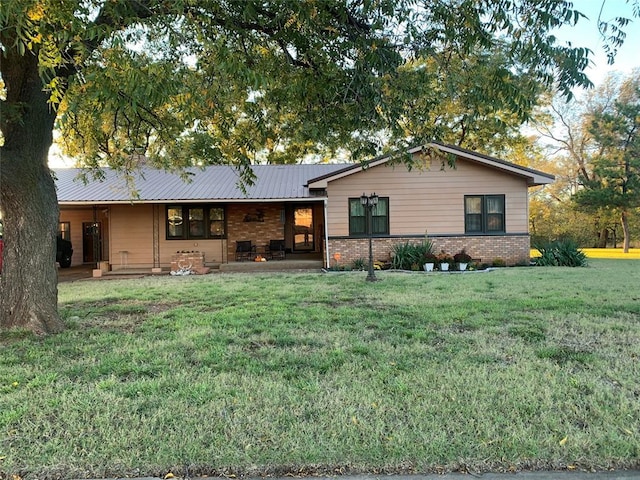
column 584, row 34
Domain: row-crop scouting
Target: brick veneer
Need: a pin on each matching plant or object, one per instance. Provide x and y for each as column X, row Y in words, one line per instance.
column 194, row 261
column 513, row 249
column 259, row 232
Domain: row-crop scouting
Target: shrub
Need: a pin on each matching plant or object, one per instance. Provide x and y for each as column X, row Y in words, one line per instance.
column 498, row 262
column 405, row 255
column 561, row 253
column 360, row 264
column 444, row 257
column 462, row 257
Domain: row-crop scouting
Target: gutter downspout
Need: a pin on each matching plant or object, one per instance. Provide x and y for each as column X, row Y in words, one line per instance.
column 326, row 234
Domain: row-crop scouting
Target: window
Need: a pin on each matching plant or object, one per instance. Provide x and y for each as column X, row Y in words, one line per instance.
column 358, row 217
column 484, row 214
column 64, row 230
column 201, row 222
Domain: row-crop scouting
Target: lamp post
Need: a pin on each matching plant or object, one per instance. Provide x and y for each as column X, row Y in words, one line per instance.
column 369, row 203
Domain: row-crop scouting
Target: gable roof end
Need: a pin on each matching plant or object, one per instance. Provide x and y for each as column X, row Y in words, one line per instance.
column 533, row 177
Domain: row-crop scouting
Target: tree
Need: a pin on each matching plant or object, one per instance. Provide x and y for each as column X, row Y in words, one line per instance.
column 579, row 197
column 212, row 81
column 612, row 181
column 449, row 103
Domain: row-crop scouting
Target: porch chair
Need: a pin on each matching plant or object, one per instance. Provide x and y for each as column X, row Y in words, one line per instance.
column 275, row 250
column 245, row 250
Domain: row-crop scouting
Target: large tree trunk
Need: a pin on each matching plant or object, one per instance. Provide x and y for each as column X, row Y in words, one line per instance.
column 624, row 219
column 28, row 202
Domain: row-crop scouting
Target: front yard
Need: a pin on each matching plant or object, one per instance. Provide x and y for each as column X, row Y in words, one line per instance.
column 519, row 368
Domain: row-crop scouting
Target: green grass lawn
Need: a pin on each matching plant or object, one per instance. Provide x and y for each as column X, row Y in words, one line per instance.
column 518, row 368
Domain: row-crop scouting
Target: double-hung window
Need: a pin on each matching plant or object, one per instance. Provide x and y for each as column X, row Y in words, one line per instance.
column 484, row 214
column 195, row 221
column 358, row 217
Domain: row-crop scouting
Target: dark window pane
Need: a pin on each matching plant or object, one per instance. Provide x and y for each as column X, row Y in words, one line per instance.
column 355, row 208
column 495, row 205
column 379, row 225
column 382, row 207
column 196, row 222
column 216, row 213
column 175, row 222
column 358, row 226
column 473, row 223
column 473, row 205
column 216, row 222
column 357, row 219
column 495, row 223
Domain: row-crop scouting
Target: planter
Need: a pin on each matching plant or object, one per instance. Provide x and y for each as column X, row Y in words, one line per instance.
column 462, row 266
column 428, row 267
column 444, row 267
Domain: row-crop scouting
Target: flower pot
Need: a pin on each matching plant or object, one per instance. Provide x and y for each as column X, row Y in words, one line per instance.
column 444, row 267
column 428, row 267
column 462, row 266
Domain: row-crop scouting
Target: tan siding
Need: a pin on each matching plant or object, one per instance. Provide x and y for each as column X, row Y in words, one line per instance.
column 131, row 232
column 431, row 200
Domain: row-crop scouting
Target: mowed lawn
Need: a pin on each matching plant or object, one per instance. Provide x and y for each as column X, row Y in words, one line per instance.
column 305, row 373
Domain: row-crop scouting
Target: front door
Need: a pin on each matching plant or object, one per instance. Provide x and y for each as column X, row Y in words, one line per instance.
column 91, row 235
column 303, row 231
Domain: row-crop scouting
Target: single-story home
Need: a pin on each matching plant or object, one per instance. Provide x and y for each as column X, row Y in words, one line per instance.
column 480, row 205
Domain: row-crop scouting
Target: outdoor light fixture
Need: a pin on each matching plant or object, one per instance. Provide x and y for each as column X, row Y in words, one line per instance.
column 369, row 203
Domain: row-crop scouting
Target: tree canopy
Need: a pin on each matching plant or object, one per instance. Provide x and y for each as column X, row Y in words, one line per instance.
column 612, row 180
column 594, row 153
column 218, row 81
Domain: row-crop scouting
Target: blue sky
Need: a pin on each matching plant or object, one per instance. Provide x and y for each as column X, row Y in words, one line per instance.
column 586, row 34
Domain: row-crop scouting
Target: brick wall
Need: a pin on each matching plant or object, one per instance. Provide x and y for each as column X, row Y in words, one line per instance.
column 194, row 261
column 512, row 249
column 256, row 222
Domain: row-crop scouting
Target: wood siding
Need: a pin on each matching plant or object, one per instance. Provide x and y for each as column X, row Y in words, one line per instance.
column 132, row 228
column 428, row 199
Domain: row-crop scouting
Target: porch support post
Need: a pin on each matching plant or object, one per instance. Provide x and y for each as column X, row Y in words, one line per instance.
column 156, row 238
column 326, row 235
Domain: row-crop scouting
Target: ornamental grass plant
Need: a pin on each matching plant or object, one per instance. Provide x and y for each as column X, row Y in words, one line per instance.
column 306, row 373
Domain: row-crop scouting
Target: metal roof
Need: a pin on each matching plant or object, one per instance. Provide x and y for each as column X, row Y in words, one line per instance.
column 213, row 183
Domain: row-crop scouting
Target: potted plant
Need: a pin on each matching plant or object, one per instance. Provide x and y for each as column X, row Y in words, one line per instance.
column 444, row 260
column 462, row 258
column 429, row 262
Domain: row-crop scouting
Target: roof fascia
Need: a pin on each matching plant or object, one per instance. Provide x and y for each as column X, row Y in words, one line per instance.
column 71, row 203
column 533, row 177
column 322, row 182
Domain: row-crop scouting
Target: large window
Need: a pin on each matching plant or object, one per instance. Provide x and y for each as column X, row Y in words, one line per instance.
column 484, row 214
column 195, row 221
column 358, row 217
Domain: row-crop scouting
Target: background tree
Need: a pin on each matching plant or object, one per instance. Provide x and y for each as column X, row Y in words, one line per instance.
column 614, row 180
column 212, row 81
column 595, row 151
column 446, row 100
